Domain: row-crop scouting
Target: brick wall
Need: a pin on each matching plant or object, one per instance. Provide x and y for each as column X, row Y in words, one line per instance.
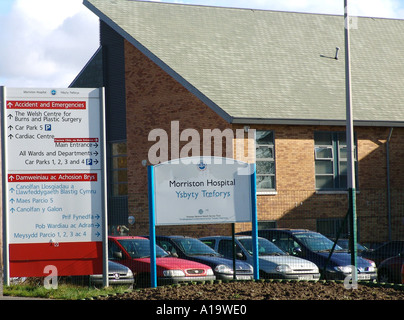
column 154, row 100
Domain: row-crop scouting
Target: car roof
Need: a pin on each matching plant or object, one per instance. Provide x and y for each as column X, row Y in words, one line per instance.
column 176, row 237
column 126, row 237
column 228, row 237
column 287, row 230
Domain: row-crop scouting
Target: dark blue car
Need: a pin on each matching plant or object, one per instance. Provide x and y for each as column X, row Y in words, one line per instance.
column 195, row 250
column 316, row 248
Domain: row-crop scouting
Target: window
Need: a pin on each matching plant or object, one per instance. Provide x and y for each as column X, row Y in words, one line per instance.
column 330, row 227
column 118, row 169
column 265, row 160
column 330, row 154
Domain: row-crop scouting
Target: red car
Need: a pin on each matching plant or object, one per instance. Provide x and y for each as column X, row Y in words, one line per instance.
column 391, row 270
column 134, row 252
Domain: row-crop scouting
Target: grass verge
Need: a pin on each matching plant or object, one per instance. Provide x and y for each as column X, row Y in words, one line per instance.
column 63, row 291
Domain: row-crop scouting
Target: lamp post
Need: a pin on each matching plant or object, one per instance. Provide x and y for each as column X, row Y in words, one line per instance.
column 350, row 147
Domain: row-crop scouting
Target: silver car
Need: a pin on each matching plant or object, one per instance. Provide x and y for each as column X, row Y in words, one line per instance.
column 118, row 275
column 273, row 262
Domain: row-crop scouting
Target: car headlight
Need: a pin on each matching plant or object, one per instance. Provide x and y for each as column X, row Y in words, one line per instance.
column 372, row 264
column 283, row 268
column 221, row 268
column 343, row 269
column 370, row 269
column 209, row 272
column 174, row 273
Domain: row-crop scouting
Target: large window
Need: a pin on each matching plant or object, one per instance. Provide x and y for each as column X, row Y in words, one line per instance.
column 265, row 160
column 118, row 169
column 330, row 154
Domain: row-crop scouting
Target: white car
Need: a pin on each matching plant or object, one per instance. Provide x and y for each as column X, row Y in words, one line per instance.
column 273, row 262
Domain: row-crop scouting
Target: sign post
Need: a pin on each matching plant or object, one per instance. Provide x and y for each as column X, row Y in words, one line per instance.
column 203, row 190
column 54, row 204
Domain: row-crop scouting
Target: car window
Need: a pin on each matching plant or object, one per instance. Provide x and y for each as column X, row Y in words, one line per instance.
column 265, row 247
column 286, row 243
column 140, row 248
column 193, row 247
column 210, row 243
column 113, row 248
column 225, row 248
column 167, row 246
column 316, row 241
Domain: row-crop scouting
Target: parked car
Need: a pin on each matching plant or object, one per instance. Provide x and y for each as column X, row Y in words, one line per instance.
column 134, row 252
column 391, row 270
column 273, row 262
column 118, row 275
column 195, row 250
column 316, row 247
column 387, row 250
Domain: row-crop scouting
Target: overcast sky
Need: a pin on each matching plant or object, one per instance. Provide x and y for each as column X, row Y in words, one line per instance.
column 45, row 43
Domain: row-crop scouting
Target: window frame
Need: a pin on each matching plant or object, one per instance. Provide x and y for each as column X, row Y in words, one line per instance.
column 338, row 162
column 271, row 160
column 116, row 184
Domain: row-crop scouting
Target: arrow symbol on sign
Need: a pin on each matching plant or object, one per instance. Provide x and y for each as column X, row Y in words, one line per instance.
column 12, row 200
column 10, row 104
column 10, row 127
column 10, row 116
column 12, row 209
column 12, row 190
column 10, row 136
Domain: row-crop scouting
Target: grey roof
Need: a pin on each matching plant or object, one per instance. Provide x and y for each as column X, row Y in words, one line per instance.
column 258, row 66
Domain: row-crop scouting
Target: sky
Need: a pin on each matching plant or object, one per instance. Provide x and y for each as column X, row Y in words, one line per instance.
column 46, row 43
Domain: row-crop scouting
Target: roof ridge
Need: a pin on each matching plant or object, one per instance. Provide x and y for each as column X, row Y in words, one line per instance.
column 256, row 9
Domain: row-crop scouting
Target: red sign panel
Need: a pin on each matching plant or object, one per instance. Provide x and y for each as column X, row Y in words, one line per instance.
column 54, row 177
column 38, row 105
column 70, row 258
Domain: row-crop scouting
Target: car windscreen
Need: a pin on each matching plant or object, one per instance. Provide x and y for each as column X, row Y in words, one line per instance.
column 265, row 247
column 316, row 241
column 140, row 248
column 194, row 247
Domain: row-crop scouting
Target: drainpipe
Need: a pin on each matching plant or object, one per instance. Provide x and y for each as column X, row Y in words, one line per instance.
column 388, row 182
